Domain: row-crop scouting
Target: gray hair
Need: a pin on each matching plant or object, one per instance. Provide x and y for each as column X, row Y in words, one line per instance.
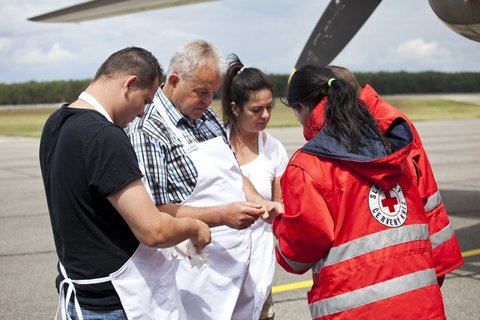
column 195, row 54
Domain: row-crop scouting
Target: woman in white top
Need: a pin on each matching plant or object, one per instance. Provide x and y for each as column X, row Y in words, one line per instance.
column 247, row 102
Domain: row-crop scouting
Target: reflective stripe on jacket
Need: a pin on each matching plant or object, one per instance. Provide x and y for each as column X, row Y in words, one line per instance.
column 446, row 251
column 360, row 226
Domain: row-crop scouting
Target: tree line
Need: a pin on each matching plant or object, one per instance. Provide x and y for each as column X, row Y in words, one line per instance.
column 34, row 92
column 405, row 82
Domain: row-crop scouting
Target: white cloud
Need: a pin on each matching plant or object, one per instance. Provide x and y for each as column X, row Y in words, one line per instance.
column 30, row 56
column 420, row 49
column 425, row 55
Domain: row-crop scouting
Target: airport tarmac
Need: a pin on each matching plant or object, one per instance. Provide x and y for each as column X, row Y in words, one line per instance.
column 28, row 259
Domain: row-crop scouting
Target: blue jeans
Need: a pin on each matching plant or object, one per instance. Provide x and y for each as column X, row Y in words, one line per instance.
column 97, row 315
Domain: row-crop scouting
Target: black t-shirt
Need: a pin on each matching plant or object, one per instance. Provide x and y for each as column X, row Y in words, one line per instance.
column 84, row 158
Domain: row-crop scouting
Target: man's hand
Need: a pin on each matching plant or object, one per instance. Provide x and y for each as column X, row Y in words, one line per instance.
column 203, row 236
column 270, row 208
column 241, row 215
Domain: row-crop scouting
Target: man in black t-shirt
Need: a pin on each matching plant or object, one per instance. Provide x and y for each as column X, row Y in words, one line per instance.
column 106, row 228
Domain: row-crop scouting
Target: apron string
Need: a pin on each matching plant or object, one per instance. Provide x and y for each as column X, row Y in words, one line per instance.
column 64, row 298
column 88, row 98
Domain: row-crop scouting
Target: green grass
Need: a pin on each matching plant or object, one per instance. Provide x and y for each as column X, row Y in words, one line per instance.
column 29, row 122
column 417, row 109
column 435, row 109
column 23, row 122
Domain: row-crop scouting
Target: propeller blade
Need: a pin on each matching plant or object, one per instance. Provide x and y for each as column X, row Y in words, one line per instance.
column 96, row 9
column 336, row 27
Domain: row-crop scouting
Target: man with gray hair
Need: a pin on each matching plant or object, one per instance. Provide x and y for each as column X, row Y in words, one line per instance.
column 183, row 149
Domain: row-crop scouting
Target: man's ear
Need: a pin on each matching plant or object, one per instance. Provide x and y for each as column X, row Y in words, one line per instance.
column 173, row 80
column 129, row 82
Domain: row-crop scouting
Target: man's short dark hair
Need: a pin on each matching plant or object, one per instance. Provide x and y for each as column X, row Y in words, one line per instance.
column 132, row 61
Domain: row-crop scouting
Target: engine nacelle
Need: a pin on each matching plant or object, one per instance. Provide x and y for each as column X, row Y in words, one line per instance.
column 462, row 16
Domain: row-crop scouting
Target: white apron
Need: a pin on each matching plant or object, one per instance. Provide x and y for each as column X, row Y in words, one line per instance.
column 145, row 283
column 220, row 288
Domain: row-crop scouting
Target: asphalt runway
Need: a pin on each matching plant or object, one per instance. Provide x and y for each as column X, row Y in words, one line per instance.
column 28, row 259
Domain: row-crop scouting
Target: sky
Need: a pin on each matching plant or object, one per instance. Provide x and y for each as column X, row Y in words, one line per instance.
column 401, row 35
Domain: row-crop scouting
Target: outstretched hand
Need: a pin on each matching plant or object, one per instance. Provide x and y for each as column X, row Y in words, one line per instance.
column 271, row 209
column 241, row 215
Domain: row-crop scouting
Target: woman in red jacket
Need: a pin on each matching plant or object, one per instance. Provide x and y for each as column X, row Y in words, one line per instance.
column 353, row 213
column 446, row 251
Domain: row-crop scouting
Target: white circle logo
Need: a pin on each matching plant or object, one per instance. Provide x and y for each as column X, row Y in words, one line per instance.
column 389, row 208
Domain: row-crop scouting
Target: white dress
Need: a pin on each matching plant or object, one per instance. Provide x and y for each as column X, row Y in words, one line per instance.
column 270, row 163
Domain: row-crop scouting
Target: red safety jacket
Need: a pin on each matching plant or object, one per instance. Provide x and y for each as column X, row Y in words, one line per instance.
column 358, row 221
column 446, row 251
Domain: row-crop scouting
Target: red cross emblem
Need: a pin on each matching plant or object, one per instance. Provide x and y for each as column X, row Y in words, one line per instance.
column 389, row 202
column 388, row 207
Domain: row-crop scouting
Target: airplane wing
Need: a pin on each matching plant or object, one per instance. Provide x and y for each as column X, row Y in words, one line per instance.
column 336, row 27
column 107, row 8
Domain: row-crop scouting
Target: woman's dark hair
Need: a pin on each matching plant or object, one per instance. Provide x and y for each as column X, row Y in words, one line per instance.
column 347, row 119
column 238, row 85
